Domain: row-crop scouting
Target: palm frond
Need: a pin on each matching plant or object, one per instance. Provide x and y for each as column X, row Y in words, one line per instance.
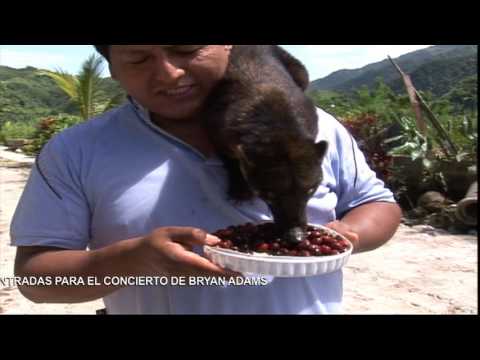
column 114, row 101
column 89, row 80
column 66, row 82
column 85, row 89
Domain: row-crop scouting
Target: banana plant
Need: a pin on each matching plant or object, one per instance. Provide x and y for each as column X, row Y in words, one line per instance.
column 414, row 143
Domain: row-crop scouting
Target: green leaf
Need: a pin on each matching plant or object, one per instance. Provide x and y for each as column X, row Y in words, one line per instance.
column 416, row 154
column 393, row 139
column 461, row 156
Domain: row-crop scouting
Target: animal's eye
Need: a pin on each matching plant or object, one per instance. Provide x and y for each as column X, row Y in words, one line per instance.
column 312, row 191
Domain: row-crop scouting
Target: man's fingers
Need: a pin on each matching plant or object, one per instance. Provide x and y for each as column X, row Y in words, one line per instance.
column 344, row 230
column 191, row 236
column 192, row 262
column 204, row 265
column 350, row 235
column 177, row 248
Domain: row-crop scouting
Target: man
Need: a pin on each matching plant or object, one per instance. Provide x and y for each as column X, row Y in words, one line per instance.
column 141, row 188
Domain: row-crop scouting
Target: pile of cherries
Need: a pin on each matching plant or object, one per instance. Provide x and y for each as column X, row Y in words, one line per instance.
column 264, row 238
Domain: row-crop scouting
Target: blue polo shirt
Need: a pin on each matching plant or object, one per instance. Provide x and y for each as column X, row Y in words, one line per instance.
column 119, row 176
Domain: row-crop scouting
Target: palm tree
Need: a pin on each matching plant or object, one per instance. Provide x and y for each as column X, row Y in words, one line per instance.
column 84, row 90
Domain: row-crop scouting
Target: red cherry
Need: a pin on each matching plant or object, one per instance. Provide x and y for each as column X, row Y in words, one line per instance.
column 325, row 249
column 264, row 238
column 225, row 233
column 304, row 245
column 275, row 246
column 345, row 244
column 226, row 244
column 313, row 247
column 262, row 247
column 329, row 242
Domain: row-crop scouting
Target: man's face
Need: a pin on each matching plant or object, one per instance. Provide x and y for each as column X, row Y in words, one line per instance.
column 172, row 81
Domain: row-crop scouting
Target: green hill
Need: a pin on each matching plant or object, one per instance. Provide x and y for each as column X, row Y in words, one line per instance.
column 440, row 76
column 27, row 96
column 436, row 69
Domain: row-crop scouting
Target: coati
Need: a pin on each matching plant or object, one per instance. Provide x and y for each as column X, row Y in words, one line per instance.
column 264, row 127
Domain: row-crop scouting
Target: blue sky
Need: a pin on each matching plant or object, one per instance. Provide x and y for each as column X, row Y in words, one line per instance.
column 321, row 60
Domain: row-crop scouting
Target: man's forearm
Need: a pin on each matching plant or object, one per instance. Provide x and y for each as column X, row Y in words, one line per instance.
column 109, row 261
column 375, row 223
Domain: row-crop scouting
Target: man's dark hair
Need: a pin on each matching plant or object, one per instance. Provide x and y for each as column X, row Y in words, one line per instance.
column 104, row 50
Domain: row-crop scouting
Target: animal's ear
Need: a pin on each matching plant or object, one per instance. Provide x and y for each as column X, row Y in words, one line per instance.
column 296, row 69
column 321, row 148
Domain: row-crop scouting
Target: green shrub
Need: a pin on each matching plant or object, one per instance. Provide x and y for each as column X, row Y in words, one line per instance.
column 16, row 130
column 46, row 129
column 409, row 162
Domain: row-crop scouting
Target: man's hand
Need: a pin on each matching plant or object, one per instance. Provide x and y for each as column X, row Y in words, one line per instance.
column 345, row 230
column 168, row 252
column 370, row 225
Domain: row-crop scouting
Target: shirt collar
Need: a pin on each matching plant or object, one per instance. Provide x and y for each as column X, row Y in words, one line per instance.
column 145, row 116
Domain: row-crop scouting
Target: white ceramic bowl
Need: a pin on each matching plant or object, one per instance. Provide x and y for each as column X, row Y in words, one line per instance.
column 279, row 266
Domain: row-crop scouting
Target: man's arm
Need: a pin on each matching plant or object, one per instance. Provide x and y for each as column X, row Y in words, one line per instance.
column 43, row 262
column 369, row 226
column 166, row 252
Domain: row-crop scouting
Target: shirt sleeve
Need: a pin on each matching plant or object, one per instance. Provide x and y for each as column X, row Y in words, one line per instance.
column 53, row 210
column 357, row 183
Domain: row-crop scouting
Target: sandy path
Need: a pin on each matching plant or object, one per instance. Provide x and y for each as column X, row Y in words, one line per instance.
column 420, row 271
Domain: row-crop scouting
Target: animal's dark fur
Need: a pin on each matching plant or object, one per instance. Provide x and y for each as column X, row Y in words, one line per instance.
column 264, row 127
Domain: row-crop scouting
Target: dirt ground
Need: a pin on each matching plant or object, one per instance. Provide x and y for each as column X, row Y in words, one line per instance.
column 420, row 271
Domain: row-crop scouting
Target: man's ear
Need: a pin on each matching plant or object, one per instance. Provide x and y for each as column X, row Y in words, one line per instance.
column 296, row 69
column 322, row 148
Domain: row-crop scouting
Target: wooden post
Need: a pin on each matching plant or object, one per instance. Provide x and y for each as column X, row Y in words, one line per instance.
column 418, row 105
column 421, row 125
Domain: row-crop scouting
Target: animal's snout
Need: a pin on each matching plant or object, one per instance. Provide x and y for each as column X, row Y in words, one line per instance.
column 294, row 235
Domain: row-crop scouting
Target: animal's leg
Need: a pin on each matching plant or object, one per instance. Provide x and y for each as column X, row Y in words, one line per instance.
column 238, row 188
